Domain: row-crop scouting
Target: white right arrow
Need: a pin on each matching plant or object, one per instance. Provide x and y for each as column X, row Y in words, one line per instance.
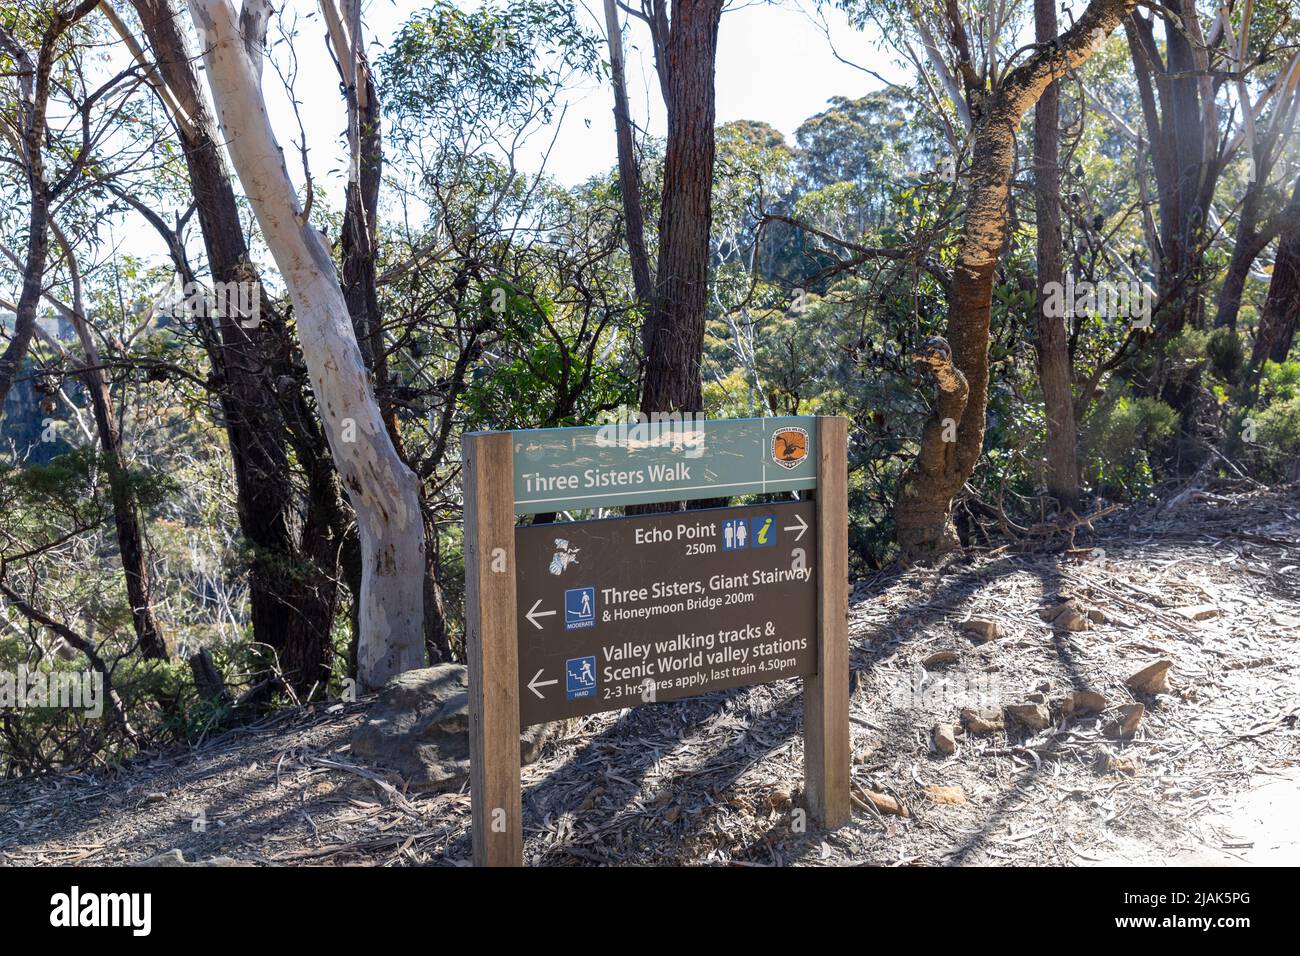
column 801, row 527
column 533, row 614
column 535, row 683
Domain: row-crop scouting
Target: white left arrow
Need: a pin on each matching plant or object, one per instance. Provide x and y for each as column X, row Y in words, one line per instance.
column 801, row 527
column 533, row 614
column 535, row 683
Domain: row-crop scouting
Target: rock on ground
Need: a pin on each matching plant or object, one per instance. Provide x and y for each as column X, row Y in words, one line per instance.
column 419, row 728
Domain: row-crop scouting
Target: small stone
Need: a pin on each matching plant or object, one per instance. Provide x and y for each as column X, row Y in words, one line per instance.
column 1108, row 762
column 1126, row 721
column 940, row 659
column 945, row 739
column 1037, row 697
column 1152, row 679
column 885, row 803
column 1097, row 616
column 981, row 720
column 1198, row 612
column 1286, row 620
column 1081, row 703
column 153, row 798
column 1052, row 613
column 947, row 795
column 1043, row 686
column 778, row 798
column 983, row 629
column 1071, row 620
column 1033, row 716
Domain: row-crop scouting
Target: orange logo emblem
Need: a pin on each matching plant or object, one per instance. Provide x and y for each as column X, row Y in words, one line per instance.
column 789, row 446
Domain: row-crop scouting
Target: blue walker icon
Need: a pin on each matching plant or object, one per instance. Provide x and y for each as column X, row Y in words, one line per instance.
column 579, row 608
column 580, row 677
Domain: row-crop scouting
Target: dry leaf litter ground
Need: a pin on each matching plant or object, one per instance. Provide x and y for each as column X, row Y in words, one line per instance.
column 1206, row 770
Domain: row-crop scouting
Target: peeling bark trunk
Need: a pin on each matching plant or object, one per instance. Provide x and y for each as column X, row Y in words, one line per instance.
column 383, row 491
column 1054, row 371
column 922, row 511
column 675, row 332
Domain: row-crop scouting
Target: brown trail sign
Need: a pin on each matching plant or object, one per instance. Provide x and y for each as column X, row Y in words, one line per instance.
column 570, row 619
column 627, row 611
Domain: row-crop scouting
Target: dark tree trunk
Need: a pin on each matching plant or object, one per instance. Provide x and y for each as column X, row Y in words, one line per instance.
column 1052, row 342
column 1184, row 150
column 1277, row 321
column 1250, row 241
column 130, row 540
column 249, row 361
column 38, row 244
column 629, row 176
column 675, row 334
column 33, row 98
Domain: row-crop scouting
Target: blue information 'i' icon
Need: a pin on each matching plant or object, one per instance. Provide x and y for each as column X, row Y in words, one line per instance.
column 579, row 608
column 762, row 531
column 580, row 677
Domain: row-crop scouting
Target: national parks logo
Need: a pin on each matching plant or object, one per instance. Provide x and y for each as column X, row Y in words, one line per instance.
column 789, row 446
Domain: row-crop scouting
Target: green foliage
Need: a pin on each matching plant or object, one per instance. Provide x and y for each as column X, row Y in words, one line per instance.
column 1119, row 432
column 1270, row 433
column 448, row 68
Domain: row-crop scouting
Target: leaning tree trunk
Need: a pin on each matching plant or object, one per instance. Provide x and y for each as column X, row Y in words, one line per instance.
column 954, row 436
column 1054, row 371
column 675, row 333
column 383, row 491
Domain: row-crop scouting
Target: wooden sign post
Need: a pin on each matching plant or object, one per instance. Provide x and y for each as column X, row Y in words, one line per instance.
column 492, row 648
column 564, row 620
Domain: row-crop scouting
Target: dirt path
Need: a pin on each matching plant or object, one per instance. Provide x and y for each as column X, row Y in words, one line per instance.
column 1211, row 774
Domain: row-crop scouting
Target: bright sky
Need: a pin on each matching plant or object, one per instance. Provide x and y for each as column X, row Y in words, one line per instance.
column 774, row 64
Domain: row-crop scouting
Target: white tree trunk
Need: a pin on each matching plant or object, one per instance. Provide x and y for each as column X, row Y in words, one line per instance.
column 383, row 491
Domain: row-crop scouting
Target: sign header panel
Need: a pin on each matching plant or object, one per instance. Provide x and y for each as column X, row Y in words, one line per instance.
column 629, row 611
column 561, row 469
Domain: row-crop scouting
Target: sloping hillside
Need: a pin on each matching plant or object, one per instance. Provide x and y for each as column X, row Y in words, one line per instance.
column 1209, row 773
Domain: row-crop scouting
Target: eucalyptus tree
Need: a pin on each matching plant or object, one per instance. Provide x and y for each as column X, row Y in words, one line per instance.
column 997, row 85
